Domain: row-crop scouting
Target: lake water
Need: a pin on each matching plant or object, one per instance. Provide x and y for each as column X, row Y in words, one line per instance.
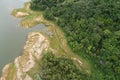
column 12, row 36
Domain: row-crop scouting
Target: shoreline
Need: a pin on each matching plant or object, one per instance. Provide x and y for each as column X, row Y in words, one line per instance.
column 23, row 64
column 57, row 40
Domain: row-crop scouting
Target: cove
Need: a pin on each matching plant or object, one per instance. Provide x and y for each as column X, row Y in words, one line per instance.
column 12, row 36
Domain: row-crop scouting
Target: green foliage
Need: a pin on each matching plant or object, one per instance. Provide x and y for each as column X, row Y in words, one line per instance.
column 59, row 68
column 43, row 4
column 92, row 28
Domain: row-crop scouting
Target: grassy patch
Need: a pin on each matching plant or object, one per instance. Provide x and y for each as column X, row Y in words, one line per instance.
column 12, row 69
column 28, row 20
column 35, row 70
column 24, row 9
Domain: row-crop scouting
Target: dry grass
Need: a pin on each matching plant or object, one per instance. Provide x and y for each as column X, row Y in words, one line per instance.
column 12, row 69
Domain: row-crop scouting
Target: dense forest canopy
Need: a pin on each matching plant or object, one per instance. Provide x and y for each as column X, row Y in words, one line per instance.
column 92, row 29
column 59, row 68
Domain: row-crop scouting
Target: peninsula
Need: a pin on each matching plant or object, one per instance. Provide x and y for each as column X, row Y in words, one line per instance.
column 81, row 42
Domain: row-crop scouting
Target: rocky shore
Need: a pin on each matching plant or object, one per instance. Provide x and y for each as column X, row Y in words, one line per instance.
column 34, row 47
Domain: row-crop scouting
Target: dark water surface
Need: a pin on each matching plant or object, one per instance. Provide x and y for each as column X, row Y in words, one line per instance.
column 12, row 37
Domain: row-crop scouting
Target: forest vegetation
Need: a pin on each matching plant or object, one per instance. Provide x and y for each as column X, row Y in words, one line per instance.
column 92, row 29
column 59, row 68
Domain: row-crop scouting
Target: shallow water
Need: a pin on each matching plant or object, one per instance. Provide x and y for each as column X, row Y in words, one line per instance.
column 12, row 36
